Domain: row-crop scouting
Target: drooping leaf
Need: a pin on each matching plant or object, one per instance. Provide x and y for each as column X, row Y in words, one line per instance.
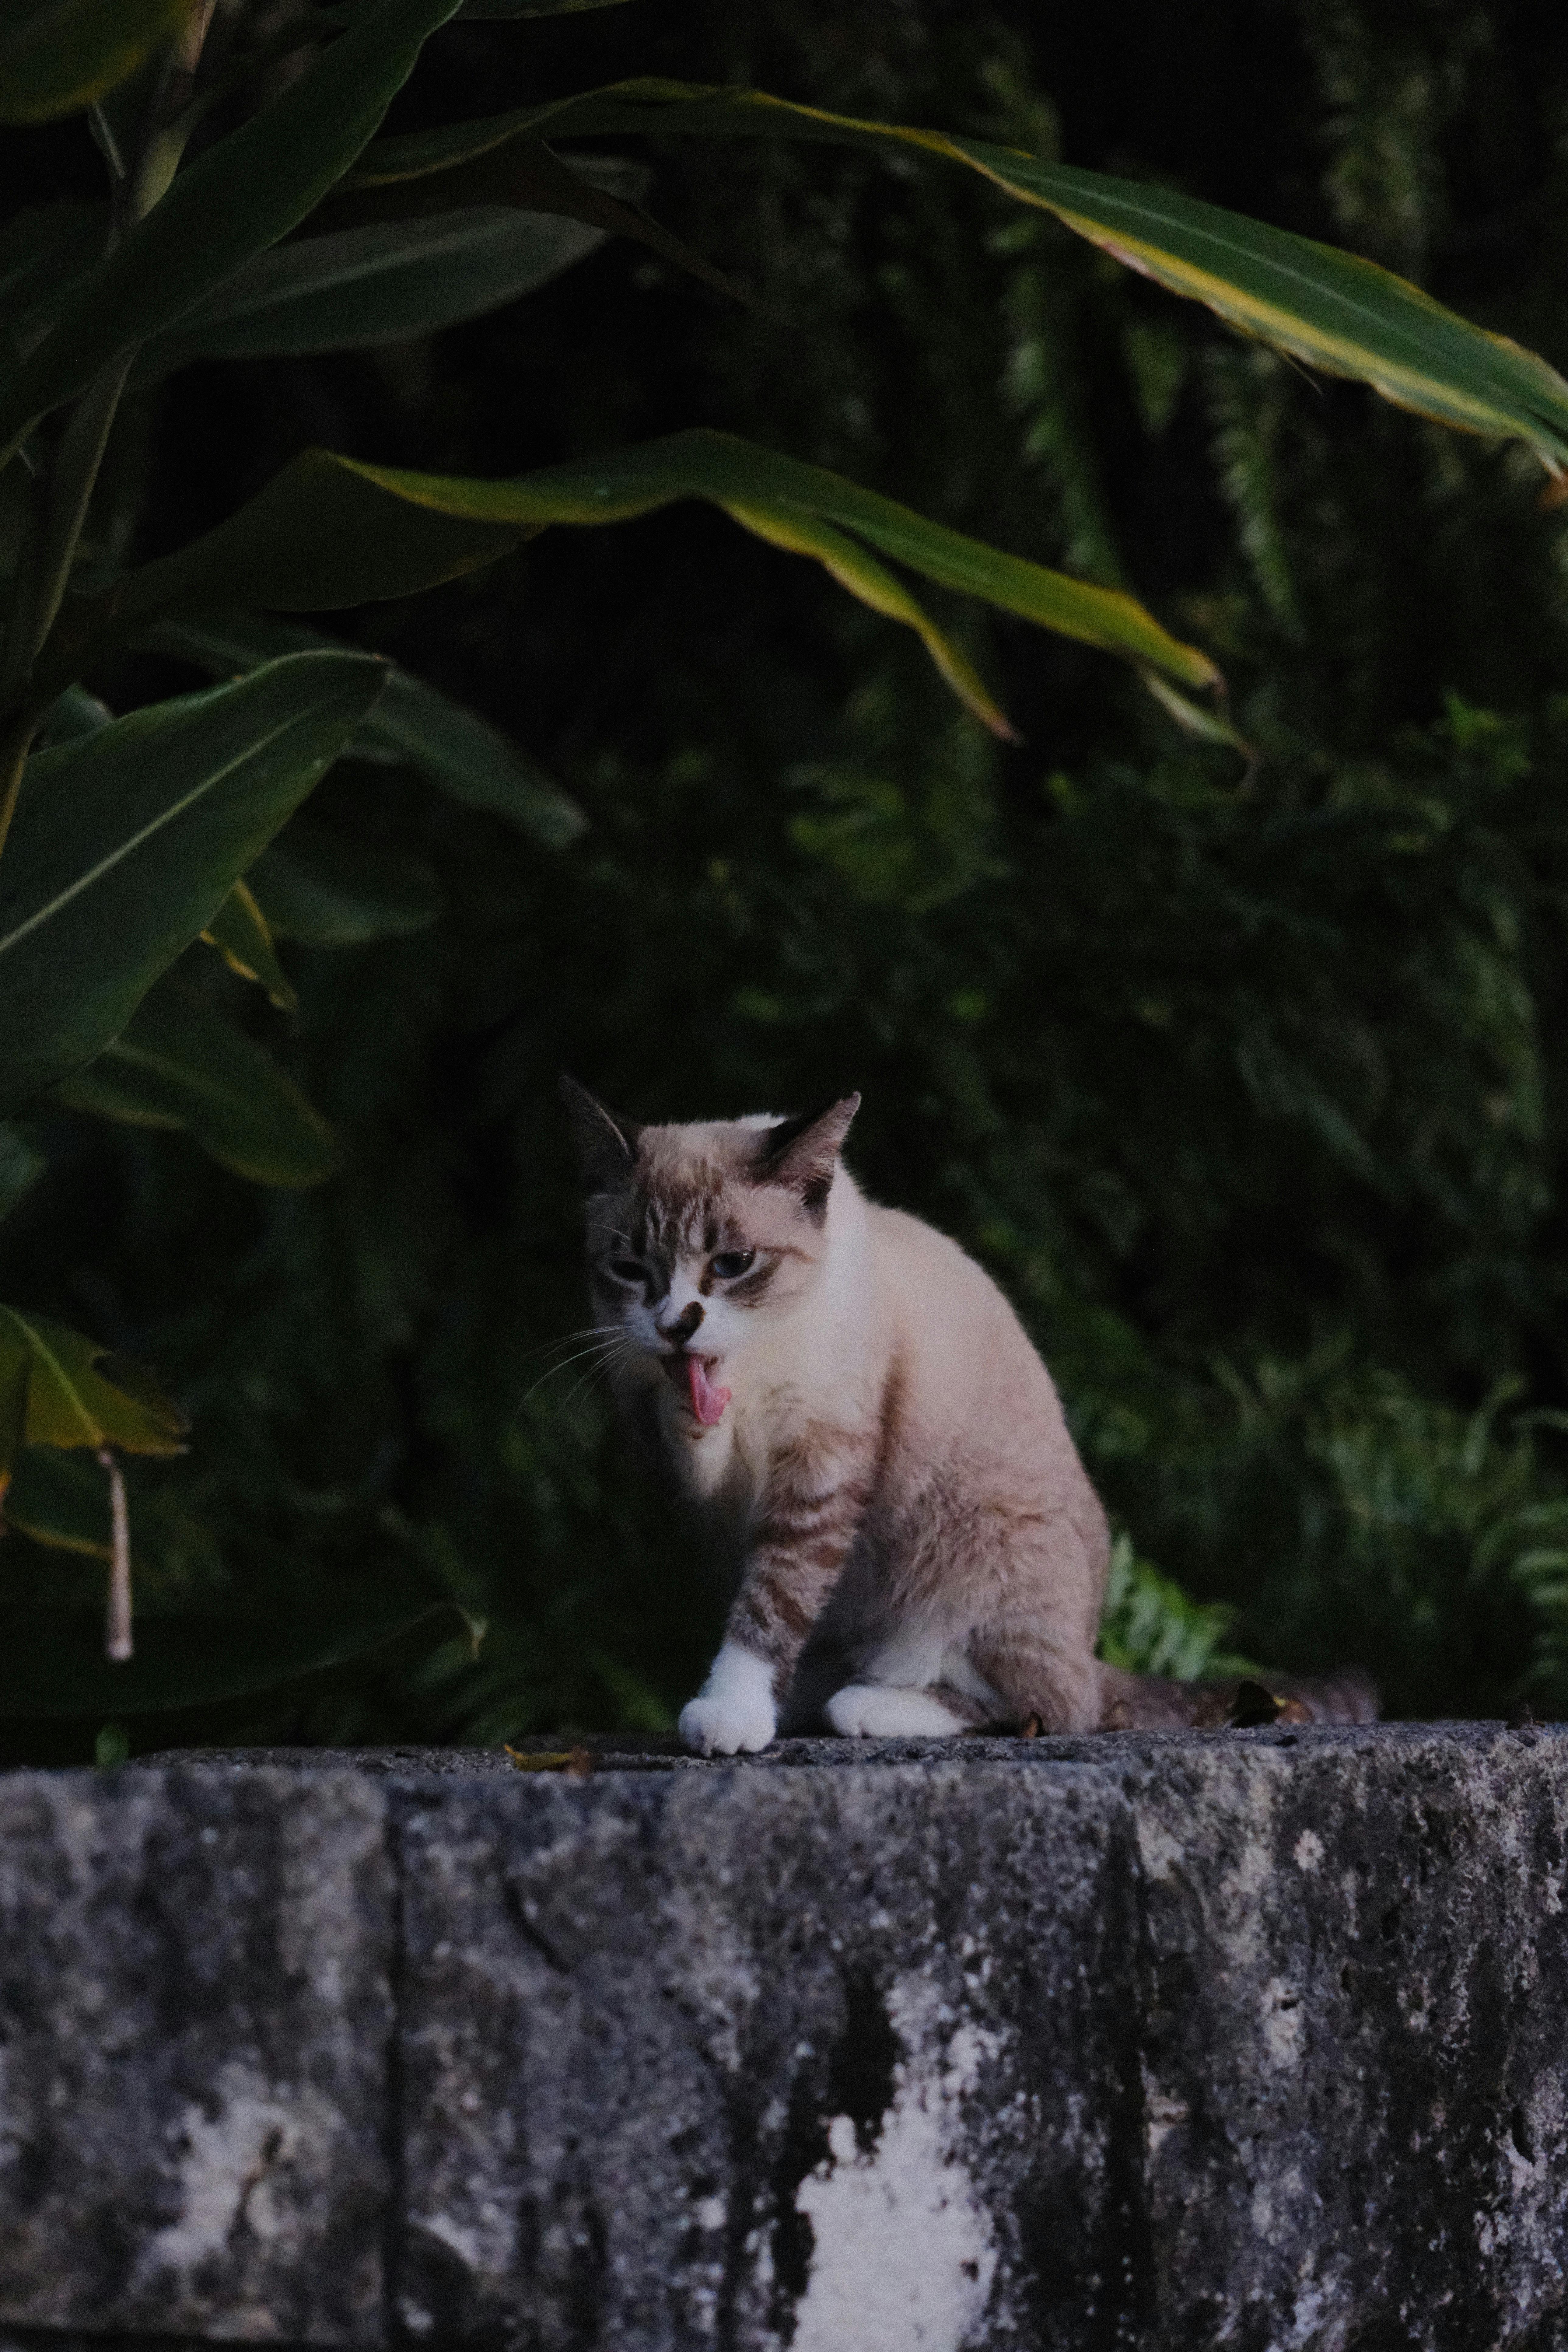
column 1327, row 307
column 240, row 198
column 243, row 937
column 328, row 532
column 127, row 841
column 412, row 726
column 20, row 1166
column 846, row 561
column 322, row 891
column 57, row 56
column 57, row 1388
column 1192, row 718
column 472, row 761
column 377, row 284
column 181, row 1064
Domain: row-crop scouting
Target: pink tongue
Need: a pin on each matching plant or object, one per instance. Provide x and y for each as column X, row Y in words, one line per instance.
column 707, row 1402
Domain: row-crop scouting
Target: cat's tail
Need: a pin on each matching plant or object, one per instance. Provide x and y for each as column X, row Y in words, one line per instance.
column 1146, row 1703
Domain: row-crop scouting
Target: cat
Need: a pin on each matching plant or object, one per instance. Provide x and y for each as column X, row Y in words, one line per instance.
column 864, row 1427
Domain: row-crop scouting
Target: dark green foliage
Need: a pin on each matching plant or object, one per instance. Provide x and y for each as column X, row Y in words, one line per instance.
column 163, row 810
column 1251, row 1092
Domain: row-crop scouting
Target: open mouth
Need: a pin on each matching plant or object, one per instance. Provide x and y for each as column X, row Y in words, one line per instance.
column 690, row 1374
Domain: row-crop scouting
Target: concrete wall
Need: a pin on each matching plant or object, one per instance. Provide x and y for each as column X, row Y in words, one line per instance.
column 1252, row 2038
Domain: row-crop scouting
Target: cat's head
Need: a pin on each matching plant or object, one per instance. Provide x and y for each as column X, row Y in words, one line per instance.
column 699, row 1235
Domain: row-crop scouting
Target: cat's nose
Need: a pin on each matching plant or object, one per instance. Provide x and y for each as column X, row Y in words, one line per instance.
column 685, row 1323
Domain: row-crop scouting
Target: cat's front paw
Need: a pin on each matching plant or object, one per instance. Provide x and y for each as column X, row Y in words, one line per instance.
column 716, row 1727
column 734, row 1710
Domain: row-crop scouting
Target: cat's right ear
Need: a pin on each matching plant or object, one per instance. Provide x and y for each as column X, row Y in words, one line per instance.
column 801, row 1154
column 608, row 1145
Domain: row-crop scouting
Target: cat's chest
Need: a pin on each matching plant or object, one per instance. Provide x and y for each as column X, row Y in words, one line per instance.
column 715, row 1467
column 731, row 1469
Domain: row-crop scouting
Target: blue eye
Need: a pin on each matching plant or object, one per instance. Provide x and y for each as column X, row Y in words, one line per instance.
column 731, row 1265
column 626, row 1269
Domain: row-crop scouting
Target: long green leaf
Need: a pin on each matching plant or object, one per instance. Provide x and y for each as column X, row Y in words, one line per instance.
column 412, row 725
column 234, row 202
column 323, row 891
column 328, row 532
column 57, row 1388
column 472, row 761
column 382, row 283
column 57, row 56
column 1327, row 307
column 179, row 1065
column 127, row 841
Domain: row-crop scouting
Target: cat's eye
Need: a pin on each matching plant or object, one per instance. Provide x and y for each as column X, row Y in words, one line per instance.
column 626, row 1269
column 731, row 1265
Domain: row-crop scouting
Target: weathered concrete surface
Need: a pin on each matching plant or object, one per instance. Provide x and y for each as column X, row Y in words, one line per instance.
column 1356, row 2042
column 757, row 2051
column 1257, row 2040
column 194, row 2018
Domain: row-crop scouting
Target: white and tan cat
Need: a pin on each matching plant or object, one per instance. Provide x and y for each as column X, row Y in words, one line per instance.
column 866, row 1429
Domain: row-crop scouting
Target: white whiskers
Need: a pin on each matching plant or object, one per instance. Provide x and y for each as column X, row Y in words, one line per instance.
column 603, row 1351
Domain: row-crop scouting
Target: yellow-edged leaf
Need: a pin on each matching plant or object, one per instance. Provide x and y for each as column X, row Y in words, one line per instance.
column 329, row 531
column 57, row 1388
column 874, row 584
column 1329, row 309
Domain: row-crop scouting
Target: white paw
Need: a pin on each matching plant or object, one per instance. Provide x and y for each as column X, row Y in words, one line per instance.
column 719, row 1727
column 877, row 1711
column 735, row 1709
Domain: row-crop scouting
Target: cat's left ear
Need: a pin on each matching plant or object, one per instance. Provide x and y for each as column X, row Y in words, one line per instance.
column 608, row 1144
column 802, row 1153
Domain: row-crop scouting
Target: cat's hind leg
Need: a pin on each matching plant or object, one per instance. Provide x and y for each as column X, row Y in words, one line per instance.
column 1042, row 1670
